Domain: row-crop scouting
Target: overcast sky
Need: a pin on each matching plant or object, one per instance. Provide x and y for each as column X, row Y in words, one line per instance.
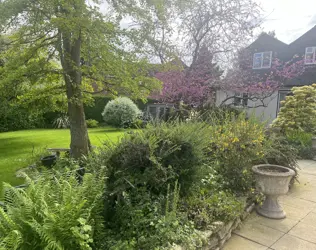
column 289, row 18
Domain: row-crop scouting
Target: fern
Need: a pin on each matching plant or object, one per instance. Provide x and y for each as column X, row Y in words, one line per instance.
column 53, row 213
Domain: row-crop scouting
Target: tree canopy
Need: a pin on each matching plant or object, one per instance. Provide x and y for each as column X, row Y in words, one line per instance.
column 56, row 50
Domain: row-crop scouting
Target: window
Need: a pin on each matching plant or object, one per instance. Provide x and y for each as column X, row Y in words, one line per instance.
column 310, row 55
column 158, row 111
column 282, row 95
column 262, row 60
column 241, row 99
column 153, row 111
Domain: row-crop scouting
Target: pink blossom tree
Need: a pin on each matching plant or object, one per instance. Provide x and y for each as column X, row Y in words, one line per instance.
column 259, row 84
column 194, row 85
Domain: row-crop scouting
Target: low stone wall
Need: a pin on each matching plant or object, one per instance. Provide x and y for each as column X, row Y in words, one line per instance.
column 214, row 239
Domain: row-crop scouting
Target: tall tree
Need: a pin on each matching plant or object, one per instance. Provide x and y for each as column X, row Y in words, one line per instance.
column 68, row 45
column 223, row 26
column 209, row 31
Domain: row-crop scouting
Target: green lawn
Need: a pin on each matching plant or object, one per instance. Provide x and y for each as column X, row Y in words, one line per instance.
column 16, row 148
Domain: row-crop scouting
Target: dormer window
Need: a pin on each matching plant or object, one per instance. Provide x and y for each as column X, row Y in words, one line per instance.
column 262, row 60
column 310, row 57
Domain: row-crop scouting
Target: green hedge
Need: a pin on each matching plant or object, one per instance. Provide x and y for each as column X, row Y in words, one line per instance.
column 95, row 112
column 15, row 118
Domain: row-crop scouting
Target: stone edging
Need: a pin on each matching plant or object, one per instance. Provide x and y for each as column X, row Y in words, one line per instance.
column 216, row 238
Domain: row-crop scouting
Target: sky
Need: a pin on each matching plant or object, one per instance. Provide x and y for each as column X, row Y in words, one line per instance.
column 288, row 18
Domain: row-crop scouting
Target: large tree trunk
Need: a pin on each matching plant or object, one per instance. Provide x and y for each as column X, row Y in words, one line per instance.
column 79, row 145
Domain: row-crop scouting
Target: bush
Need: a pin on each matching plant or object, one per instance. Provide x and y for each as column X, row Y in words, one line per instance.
column 144, row 221
column 169, row 179
column 207, row 207
column 299, row 110
column 53, row 212
column 121, row 112
column 157, row 156
column 235, row 144
column 216, row 114
column 92, row 123
column 278, row 151
column 16, row 118
column 302, row 141
column 95, row 111
column 62, row 122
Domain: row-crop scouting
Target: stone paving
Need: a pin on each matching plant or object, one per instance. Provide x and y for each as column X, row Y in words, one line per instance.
column 296, row 232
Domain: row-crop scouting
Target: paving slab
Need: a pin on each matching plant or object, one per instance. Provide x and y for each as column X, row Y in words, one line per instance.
column 296, row 232
column 308, row 168
column 237, row 242
column 283, row 225
column 304, row 231
column 308, row 195
column 259, row 233
column 296, row 202
column 305, row 163
column 306, row 179
column 288, row 242
column 310, row 219
column 294, row 213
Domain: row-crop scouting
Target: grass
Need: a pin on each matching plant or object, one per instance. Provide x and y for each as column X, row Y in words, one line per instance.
column 17, row 148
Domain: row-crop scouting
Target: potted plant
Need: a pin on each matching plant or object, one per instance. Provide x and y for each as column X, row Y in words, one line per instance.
column 272, row 181
column 49, row 161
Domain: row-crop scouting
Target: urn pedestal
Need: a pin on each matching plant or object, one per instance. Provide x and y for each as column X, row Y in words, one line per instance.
column 272, row 181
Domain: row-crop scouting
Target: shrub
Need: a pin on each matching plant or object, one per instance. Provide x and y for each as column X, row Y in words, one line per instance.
column 299, row 110
column 121, row 112
column 302, row 141
column 158, row 155
column 216, row 114
column 92, row 123
column 17, row 118
column 144, row 221
column 277, row 150
column 62, row 122
column 235, row 144
column 53, row 212
column 95, row 111
column 299, row 137
column 207, row 207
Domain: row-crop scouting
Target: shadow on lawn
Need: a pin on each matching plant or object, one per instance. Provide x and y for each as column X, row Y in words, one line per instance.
column 14, row 146
column 108, row 130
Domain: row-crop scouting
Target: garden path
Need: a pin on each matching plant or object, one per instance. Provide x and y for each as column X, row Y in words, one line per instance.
column 296, row 232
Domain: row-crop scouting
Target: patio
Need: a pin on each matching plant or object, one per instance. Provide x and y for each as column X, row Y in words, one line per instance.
column 296, row 232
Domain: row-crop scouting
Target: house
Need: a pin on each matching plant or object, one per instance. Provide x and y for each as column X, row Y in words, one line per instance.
column 262, row 51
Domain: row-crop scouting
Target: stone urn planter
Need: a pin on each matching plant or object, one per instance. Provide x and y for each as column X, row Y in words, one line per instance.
column 49, row 161
column 272, row 181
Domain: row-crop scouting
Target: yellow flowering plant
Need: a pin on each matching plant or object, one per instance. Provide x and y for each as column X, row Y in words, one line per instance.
column 236, row 143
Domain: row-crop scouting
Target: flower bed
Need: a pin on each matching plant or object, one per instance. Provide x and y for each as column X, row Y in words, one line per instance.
column 171, row 185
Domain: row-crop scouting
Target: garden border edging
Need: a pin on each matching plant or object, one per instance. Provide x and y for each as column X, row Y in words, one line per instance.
column 215, row 239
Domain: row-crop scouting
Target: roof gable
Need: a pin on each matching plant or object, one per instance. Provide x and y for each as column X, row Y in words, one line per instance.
column 267, row 42
column 307, row 38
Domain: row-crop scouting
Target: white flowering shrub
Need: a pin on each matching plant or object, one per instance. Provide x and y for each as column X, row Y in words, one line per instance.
column 121, row 112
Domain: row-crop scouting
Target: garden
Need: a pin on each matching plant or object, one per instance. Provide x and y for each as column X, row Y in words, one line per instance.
column 166, row 185
column 85, row 165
